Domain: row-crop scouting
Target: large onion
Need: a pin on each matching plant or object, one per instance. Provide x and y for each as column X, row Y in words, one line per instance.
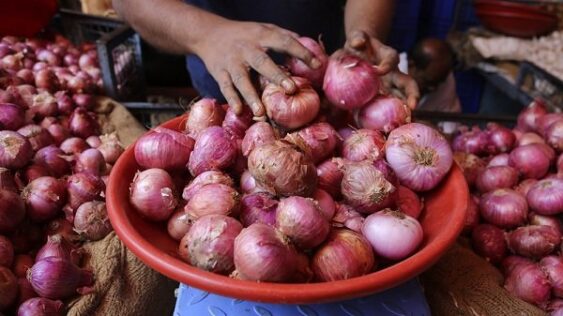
column 546, row 197
column 204, row 113
column 302, row 221
column 318, row 140
column 164, row 148
column 384, row 114
column 153, row 194
column 504, row 208
column 214, row 150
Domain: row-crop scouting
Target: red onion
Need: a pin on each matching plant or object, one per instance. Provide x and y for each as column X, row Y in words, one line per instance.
column 530, row 160
column 12, row 210
column 63, row 228
column 366, row 188
column 318, row 140
column 536, row 219
column 36, row 135
column 525, row 186
column 291, row 111
column 12, row 62
column 546, row 197
column 330, row 177
column 15, row 150
column 258, row 207
column 209, row 243
column 299, row 68
column 488, row 241
column 179, row 224
column 473, row 142
column 258, row 134
column 90, row 161
column 543, row 122
column 94, row 141
column 203, row 114
column 499, row 160
column 84, row 101
column 25, row 291
column 530, row 138
column 11, row 116
column 6, row 252
column 58, row 133
column 528, row 118
column 205, row 178
column 408, row 202
column 44, row 198
column 496, row 178
column 384, row 113
column 419, row 155
column 325, row 203
column 346, row 216
column 65, row 105
column 534, row 241
column 215, row 198
column 46, row 79
column 153, row 194
column 82, row 188
column 57, row 278
column 213, row 150
column 48, row 56
column 471, row 165
column 554, row 135
column 504, row 208
column 529, row 283
column 8, row 288
column 26, row 75
column 39, row 306
column 363, row 144
column 52, row 158
column 302, row 221
column 280, row 167
column 83, row 124
column 7, row 180
column 553, row 267
column 35, row 171
column 91, row 220
column 248, row 184
column 500, row 139
column 382, row 166
column 56, row 246
column 73, row 145
column 237, row 125
column 350, row 82
column 87, row 61
column 164, row 148
column 346, row 254
column 262, row 253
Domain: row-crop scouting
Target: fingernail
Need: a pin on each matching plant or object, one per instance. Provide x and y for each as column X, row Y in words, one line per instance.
column 315, row 63
column 287, row 85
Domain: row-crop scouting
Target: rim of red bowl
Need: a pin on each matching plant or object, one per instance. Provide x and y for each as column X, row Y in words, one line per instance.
column 295, row 293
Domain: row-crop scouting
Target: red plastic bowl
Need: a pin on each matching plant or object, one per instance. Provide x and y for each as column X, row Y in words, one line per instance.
column 515, row 23
column 442, row 222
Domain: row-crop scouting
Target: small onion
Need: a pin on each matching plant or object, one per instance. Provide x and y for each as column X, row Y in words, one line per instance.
column 12, row 210
column 553, row 266
column 534, row 241
column 46, row 79
column 11, row 116
column 325, row 203
column 62, row 227
column 84, row 101
column 524, row 187
column 52, row 158
column 346, row 254
column 280, row 167
column 57, row 278
column 258, row 207
column 6, row 252
column 8, row 288
column 213, row 150
column 384, row 114
column 153, row 194
column 546, row 197
column 90, row 161
column 500, row 139
column 179, row 224
column 474, row 142
column 499, row 160
column 363, row 144
column 408, row 202
column 237, row 125
column 419, row 155
column 164, row 148
column 530, row 160
column 291, row 111
column 203, row 114
column 554, row 135
column 302, row 221
column 299, row 68
column 205, row 178
column 258, row 134
column 73, row 145
column 350, row 82
column 91, row 220
column 546, row 120
column 497, row 178
column 471, row 165
column 330, row 177
column 529, row 283
column 83, row 124
column 110, row 148
column 65, row 104
column 528, row 119
column 44, row 105
column 15, row 150
column 248, row 184
column 209, row 243
column 39, row 306
column 488, row 241
column 530, row 138
column 504, row 208
column 215, row 198
column 58, row 133
column 94, row 141
column 346, row 216
column 82, row 188
column 44, row 198
column 318, row 140
column 56, row 246
column 366, row 188
column 262, row 253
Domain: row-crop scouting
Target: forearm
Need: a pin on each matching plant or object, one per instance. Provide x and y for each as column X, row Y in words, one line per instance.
column 371, row 16
column 170, row 25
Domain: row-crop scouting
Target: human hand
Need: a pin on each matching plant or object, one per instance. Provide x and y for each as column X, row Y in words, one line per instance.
column 233, row 48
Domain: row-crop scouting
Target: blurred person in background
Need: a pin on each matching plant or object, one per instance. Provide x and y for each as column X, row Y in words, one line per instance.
column 228, row 40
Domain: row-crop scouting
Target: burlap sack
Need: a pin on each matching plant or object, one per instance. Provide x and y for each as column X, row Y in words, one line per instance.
column 462, row 283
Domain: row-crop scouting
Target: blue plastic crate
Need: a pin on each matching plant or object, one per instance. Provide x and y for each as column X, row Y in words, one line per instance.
column 404, row 29
column 405, row 299
column 469, row 88
column 437, row 17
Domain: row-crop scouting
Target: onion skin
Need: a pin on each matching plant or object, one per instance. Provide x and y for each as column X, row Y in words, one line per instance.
column 248, row 184
column 82, row 188
column 236, row 125
column 281, row 168
column 346, row 216
column 529, row 283
column 498, row 177
column 363, row 144
column 41, row 307
column 12, row 211
column 57, row 278
column 83, row 124
column 8, row 288
column 524, row 186
column 215, row 198
column 214, row 150
column 471, row 165
column 258, row 207
column 500, row 139
column 530, row 160
column 6, row 252
column 299, row 68
column 325, row 203
column 11, row 116
column 91, row 221
column 291, row 111
column 205, row 178
column 419, row 155
column 302, row 221
column 409, row 202
column 110, row 148
column 318, row 140
column 179, row 224
column 384, row 114
column 330, row 177
column 350, row 82
column 365, row 188
column 15, row 150
column 209, row 244
column 489, row 242
column 73, row 145
column 474, row 142
column 546, row 197
column 90, row 161
column 346, row 254
column 262, row 253
column 534, row 241
column 44, row 198
column 553, row 221
column 164, row 148
column 153, row 194
column 258, row 134
column 553, row 266
column 504, row 208
column 52, row 158
column 203, row 114
column 38, row 137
